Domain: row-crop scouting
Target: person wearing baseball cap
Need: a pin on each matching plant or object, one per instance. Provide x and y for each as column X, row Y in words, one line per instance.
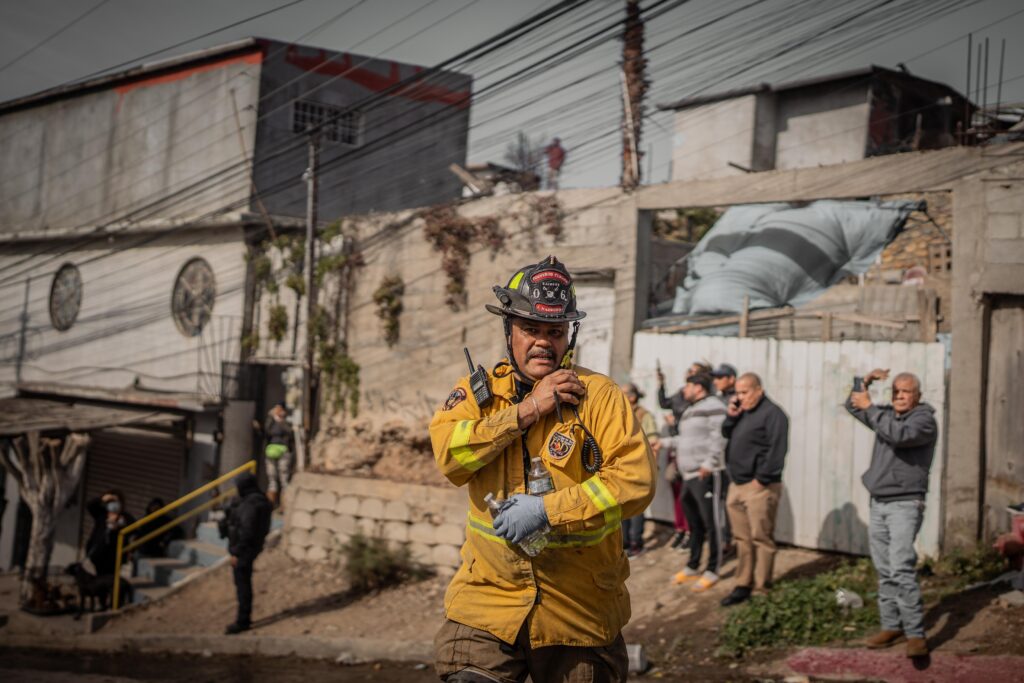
column 724, row 379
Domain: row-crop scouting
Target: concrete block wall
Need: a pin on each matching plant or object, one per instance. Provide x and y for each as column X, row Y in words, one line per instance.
column 322, row 511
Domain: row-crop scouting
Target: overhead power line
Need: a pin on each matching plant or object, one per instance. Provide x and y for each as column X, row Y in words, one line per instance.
column 207, row 34
column 53, row 35
column 483, row 48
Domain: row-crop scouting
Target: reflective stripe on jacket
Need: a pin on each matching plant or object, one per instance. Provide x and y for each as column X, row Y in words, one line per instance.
column 573, row 592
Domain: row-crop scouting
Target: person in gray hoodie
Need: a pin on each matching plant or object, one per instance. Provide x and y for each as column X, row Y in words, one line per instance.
column 897, row 479
column 699, row 452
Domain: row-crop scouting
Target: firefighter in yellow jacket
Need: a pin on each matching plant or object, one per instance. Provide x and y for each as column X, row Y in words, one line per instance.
column 558, row 615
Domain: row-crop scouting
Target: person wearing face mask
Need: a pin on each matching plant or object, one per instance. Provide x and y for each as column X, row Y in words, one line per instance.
column 556, row 615
column 109, row 517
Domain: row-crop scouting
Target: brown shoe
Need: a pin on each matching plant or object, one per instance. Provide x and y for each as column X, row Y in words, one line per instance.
column 884, row 638
column 917, row 647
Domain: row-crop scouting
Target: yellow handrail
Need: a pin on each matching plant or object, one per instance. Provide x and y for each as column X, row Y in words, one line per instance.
column 121, row 550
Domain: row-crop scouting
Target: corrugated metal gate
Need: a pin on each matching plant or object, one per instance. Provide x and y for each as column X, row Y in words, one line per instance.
column 824, row 505
column 142, row 464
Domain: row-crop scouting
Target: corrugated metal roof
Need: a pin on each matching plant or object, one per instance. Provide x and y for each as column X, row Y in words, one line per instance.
column 142, row 70
column 20, row 415
column 182, row 401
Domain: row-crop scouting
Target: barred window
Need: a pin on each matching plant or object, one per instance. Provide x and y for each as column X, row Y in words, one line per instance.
column 340, row 125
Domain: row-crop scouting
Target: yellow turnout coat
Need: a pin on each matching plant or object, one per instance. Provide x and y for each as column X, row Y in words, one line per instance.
column 573, row 592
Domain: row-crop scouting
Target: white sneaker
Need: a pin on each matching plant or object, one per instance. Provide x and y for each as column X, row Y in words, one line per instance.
column 706, row 581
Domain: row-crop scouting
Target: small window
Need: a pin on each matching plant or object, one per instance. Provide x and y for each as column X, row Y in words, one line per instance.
column 340, row 125
column 195, row 291
column 65, row 297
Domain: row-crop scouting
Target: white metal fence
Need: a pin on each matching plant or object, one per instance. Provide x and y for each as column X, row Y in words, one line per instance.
column 824, row 505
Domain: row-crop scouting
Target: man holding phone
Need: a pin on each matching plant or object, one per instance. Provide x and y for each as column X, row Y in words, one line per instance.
column 758, row 434
column 897, row 478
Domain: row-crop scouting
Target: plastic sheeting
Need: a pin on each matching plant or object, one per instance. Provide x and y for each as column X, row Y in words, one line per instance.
column 779, row 254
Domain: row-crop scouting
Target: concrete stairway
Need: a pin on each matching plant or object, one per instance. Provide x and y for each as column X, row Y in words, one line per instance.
column 157, row 575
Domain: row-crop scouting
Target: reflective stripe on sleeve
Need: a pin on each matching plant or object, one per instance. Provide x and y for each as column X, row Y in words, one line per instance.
column 603, row 498
column 485, row 529
column 459, row 446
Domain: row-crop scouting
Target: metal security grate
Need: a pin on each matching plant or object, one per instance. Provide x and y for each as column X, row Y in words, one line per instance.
column 340, row 125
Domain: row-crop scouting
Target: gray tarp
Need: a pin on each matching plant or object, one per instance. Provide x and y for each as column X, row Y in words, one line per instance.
column 781, row 255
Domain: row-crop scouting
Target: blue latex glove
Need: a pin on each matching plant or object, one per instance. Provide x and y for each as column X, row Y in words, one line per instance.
column 520, row 516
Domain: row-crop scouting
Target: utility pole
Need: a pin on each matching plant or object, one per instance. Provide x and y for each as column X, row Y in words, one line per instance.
column 310, row 176
column 634, row 85
column 22, row 341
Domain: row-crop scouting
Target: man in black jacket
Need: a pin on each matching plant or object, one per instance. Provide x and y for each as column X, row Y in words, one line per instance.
column 897, row 479
column 758, row 434
column 248, row 523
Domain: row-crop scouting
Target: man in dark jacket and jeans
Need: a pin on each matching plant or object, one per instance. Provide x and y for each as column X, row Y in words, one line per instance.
column 248, row 523
column 905, row 436
column 758, row 433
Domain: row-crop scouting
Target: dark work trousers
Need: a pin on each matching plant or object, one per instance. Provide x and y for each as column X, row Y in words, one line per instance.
column 243, row 589
column 702, row 501
column 726, row 528
column 633, row 532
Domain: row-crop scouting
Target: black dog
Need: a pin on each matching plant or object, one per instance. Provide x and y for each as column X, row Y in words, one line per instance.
column 97, row 588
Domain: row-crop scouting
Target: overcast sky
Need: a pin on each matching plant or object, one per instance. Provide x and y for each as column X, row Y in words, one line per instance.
column 116, row 31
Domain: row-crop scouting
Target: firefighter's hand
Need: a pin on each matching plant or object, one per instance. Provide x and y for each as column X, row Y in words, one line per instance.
column 566, row 382
column 520, row 517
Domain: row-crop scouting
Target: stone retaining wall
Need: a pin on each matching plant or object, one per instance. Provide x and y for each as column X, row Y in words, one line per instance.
column 322, row 511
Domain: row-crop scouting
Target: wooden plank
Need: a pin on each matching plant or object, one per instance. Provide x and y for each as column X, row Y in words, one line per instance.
column 722, row 321
column 869, row 320
column 883, row 175
column 745, row 316
column 927, row 303
column 826, row 326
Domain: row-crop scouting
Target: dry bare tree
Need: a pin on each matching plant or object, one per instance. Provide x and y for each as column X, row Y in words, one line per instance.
column 634, row 72
column 47, row 471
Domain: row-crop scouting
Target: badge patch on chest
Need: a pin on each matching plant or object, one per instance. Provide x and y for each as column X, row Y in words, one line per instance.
column 560, row 445
column 455, row 398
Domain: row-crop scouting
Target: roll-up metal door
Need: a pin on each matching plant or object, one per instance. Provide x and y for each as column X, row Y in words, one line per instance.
column 142, row 464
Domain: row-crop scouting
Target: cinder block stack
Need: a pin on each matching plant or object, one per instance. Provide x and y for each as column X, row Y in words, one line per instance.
column 323, row 511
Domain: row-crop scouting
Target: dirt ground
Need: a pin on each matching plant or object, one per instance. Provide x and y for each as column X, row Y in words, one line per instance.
column 293, row 598
column 71, row 667
column 678, row 629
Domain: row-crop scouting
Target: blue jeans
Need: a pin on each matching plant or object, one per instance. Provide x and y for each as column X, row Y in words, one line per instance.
column 633, row 532
column 893, row 528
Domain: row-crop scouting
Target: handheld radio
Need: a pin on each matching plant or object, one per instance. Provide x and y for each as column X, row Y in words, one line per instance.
column 478, row 382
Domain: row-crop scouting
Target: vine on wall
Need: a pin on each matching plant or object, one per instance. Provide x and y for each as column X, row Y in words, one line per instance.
column 388, row 299
column 339, row 374
column 452, row 234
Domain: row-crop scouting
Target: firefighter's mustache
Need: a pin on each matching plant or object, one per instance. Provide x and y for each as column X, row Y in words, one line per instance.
column 540, row 353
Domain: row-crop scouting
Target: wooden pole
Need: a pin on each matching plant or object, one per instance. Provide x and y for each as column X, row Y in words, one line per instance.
column 745, row 316
column 826, row 326
column 929, row 321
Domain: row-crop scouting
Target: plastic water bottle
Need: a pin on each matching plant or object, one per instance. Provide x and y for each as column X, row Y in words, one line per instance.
column 532, row 544
column 847, row 599
column 540, row 482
